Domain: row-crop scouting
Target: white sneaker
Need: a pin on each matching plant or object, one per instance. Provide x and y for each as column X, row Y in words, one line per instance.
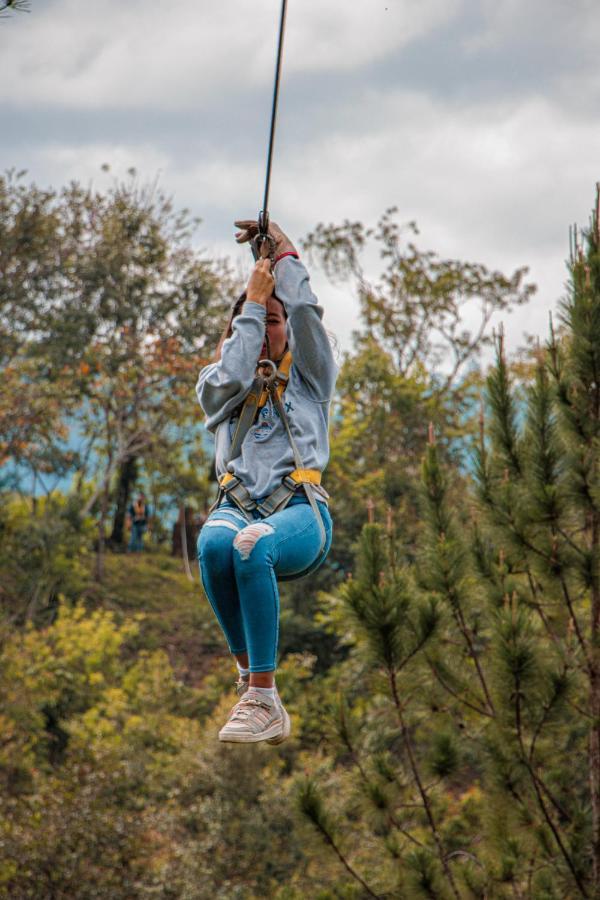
column 256, row 718
column 287, row 725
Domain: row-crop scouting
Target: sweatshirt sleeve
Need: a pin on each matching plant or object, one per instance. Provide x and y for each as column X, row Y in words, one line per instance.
column 308, row 340
column 223, row 385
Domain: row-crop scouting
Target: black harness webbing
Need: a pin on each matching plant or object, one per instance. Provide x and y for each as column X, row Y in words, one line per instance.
column 247, row 415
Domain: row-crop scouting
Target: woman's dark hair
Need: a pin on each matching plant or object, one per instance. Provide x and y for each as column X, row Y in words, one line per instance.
column 228, row 330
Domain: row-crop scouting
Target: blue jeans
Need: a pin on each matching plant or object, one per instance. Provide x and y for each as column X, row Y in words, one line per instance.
column 136, row 539
column 240, row 563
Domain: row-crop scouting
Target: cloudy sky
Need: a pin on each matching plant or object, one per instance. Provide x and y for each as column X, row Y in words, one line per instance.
column 477, row 118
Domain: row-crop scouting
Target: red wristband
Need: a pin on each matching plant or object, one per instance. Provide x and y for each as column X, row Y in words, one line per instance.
column 287, row 253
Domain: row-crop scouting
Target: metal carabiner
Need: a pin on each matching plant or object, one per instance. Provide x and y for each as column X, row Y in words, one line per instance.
column 263, row 237
column 272, row 378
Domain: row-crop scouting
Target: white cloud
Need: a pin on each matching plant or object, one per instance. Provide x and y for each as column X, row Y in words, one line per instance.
column 537, row 22
column 342, row 35
column 181, row 54
column 62, row 162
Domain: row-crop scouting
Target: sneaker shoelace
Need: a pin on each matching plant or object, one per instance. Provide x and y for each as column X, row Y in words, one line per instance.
column 242, row 709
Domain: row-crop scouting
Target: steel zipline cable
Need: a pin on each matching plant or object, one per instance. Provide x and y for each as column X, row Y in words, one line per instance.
column 263, row 238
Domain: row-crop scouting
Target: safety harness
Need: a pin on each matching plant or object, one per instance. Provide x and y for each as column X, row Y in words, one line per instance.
column 230, row 486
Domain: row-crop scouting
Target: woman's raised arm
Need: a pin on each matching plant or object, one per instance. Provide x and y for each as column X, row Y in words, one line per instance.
column 309, row 342
column 222, row 385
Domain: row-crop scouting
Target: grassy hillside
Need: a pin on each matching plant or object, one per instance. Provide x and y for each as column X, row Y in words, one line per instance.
column 175, row 614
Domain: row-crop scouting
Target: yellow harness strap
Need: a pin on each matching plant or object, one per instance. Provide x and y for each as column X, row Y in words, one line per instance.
column 300, row 476
column 306, row 476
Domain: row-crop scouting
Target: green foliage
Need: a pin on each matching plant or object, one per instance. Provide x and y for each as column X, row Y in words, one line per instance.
column 444, row 756
column 101, row 298
column 382, row 602
column 496, row 701
column 43, row 554
column 503, row 405
column 414, row 362
column 114, row 784
column 415, row 310
column 425, row 879
column 311, row 805
column 380, row 423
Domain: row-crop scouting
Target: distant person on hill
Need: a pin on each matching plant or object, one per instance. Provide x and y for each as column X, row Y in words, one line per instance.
column 138, row 516
column 271, row 520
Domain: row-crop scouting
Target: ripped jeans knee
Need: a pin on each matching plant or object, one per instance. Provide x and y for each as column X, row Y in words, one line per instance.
column 246, row 540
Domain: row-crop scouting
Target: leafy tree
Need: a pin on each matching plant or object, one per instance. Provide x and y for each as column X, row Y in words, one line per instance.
column 416, row 310
column 114, row 784
column 414, row 362
column 106, row 314
column 141, row 309
column 378, row 431
column 33, row 430
column 32, row 408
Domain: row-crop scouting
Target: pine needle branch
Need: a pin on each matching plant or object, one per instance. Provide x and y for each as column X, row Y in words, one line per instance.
column 480, row 709
column 422, row 791
column 371, row 790
column 569, row 540
column 504, row 431
column 538, row 789
column 446, row 556
column 311, row 806
column 576, row 626
column 7, row 6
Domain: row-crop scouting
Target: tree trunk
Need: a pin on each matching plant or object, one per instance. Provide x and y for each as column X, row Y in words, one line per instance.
column 101, row 536
column 594, row 745
column 595, row 706
column 184, row 540
column 127, row 478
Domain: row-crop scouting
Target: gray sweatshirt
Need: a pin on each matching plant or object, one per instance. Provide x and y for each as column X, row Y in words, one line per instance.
column 266, row 456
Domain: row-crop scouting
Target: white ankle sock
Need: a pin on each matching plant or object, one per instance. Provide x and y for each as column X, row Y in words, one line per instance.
column 266, row 692
column 242, row 670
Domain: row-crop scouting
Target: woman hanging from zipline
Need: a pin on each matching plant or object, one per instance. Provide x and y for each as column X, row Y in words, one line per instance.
column 266, row 397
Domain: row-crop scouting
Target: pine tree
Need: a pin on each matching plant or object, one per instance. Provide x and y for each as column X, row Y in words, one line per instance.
column 8, row 6
column 538, row 486
column 576, row 370
column 480, row 665
column 398, row 759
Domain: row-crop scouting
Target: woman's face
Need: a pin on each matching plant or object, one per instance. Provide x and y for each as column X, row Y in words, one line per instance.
column 275, row 329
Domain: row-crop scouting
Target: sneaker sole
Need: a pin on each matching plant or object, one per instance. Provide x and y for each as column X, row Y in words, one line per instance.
column 274, row 734
column 287, row 727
